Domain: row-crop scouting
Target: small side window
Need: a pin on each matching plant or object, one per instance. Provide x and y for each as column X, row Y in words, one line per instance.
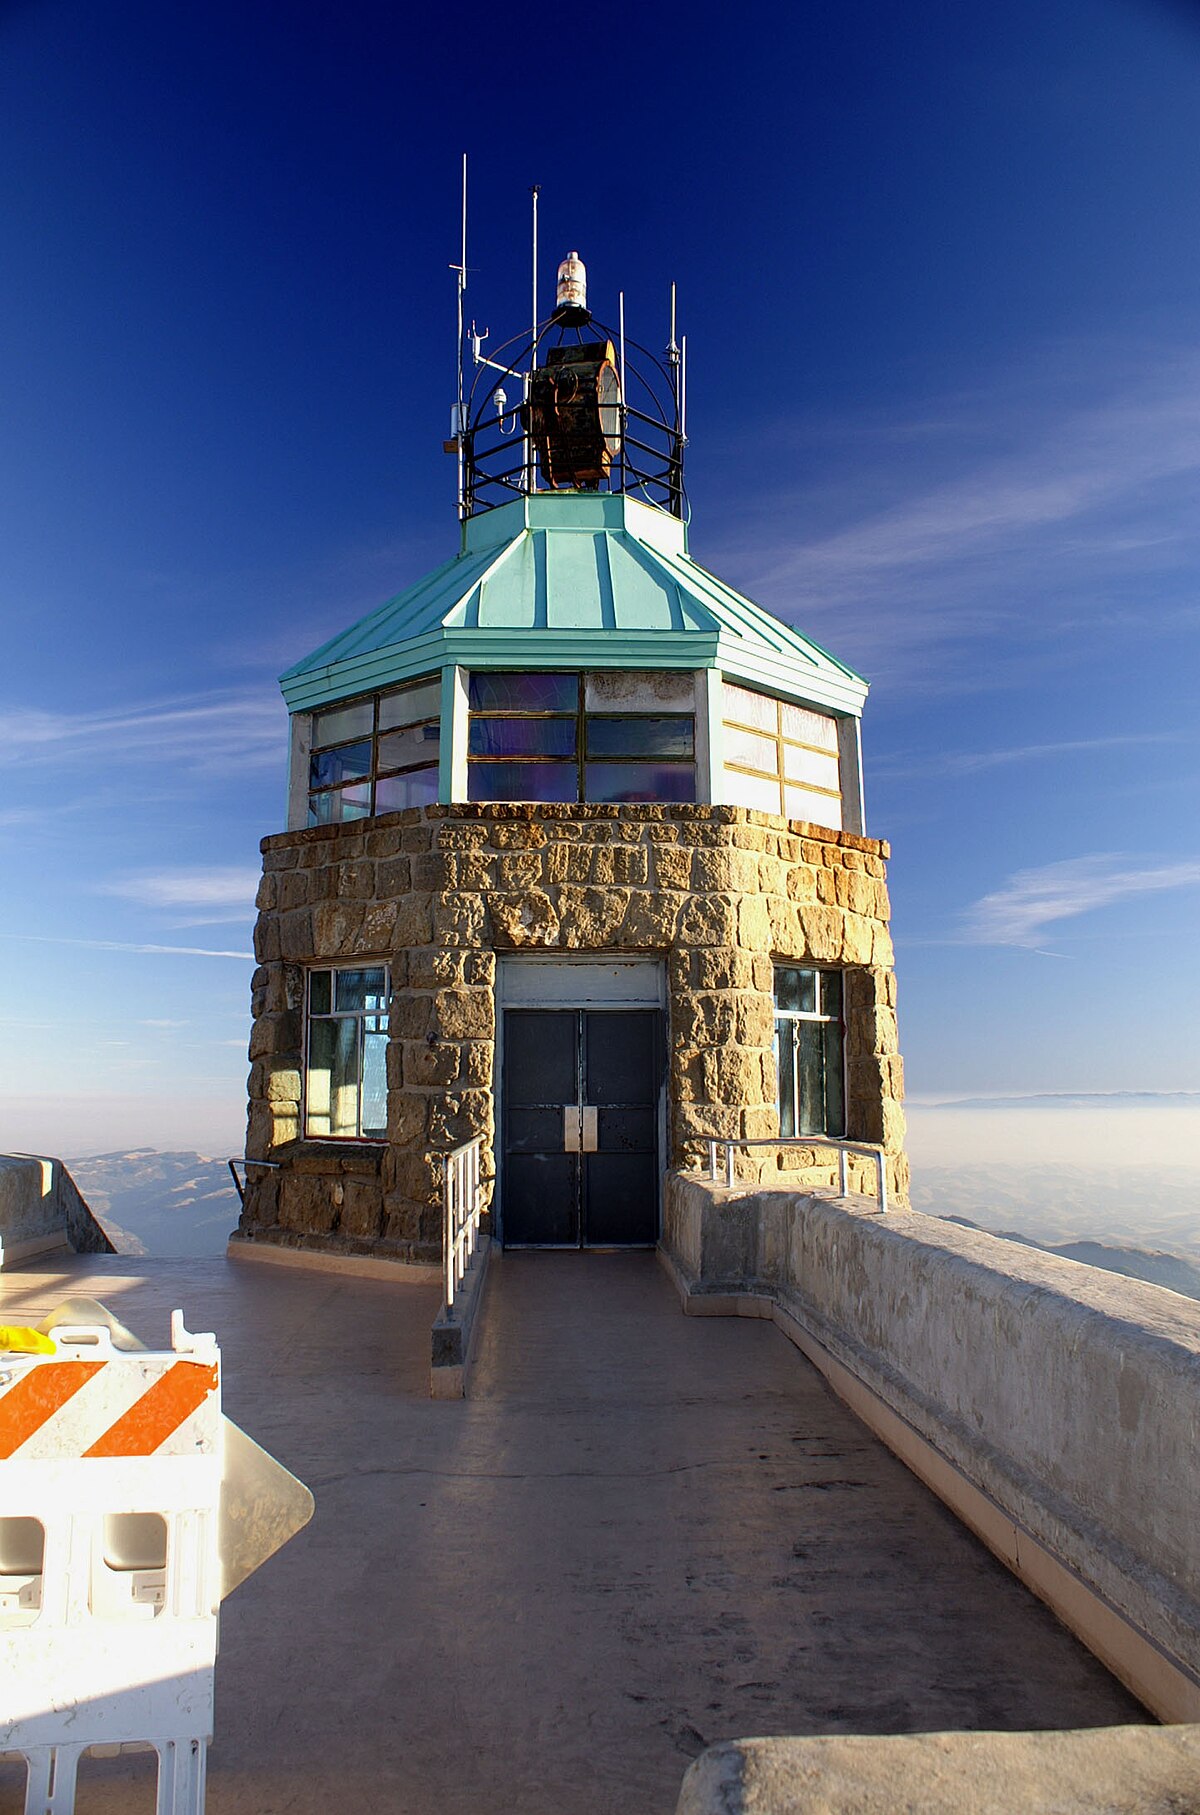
column 810, row 1051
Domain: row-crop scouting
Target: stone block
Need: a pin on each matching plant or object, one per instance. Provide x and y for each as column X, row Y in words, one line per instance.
column 650, row 920
column 292, row 890
column 857, row 939
column 268, row 894
column 307, row 1204
column 821, row 931
column 433, row 969
column 755, row 1021
column 428, row 872
column 721, row 968
column 362, row 1209
column 458, row 1118
column 408, row 1118
column 458, row 919
column 468, row 870
column 754, row 924
column 377, row 931
column 516, row 835
column 466, row 1014
column 384, row 842
column 282, row 1086
column 708, row 920
column 478, row 1064
column 525, row 919
column 427, row 1066
column 565, row 861
column 356, row 880
column 783, row 921
column 393, row 877
column 590, row 917
column 336, row 926
column 733, row 1076
column 267, row 946
column 672, row 864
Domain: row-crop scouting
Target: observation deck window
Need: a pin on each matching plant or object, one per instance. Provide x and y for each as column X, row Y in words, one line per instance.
column 533, row 737
column 781, row 758
column 375, row 755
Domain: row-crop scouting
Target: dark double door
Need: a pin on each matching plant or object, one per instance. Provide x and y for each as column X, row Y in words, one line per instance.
column 581, row 1089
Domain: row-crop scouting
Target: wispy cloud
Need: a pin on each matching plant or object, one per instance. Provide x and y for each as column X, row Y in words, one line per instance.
column 1031, row 901
column 1057, row 496
column 967, row 762
column 145, row 948
column 212, row 733
column 211, row 886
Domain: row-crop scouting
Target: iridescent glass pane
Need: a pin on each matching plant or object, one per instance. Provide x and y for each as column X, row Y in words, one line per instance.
column 326, row 768
column 344, row 722
column 415, row 744
column 522, row 737
column 415, row 788
column 610, row 736
column 523, row 781
column 524, row 692
column 338, row 804
column 410, row 704
column 640, row 781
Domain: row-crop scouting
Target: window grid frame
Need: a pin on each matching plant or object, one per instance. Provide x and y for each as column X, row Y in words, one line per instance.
column 376, row 774
column 361, row 1016
column 581, row 759
column 781, row 743
column 823, row 1019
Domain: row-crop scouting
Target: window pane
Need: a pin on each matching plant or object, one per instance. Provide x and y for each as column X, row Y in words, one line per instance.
column 374, row 1088
column 411, row 704
column 810, row 1040
column 640, row 781
column 746, row 708
column 522, row 737
column 640, row 736
column 524, row 692
column 320, row 1000
column 835, row 1108
column 785, row 1061
column 811, row 767
column 751, row 751
column 796, row 990
column 523, row 781
column 817, row 809
column 809, row 727
column 355, row 990
column 415, row 788
column 332, row 1085
column 340, row 803
column 344, row 722
column 415, row 744
column 751, row 791
column 831, row 993
column 328, row 767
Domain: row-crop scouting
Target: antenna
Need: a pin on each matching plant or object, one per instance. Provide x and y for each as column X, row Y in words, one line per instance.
column 531, row 480
column 624, row 399
column 459, row 403
column 683, row 391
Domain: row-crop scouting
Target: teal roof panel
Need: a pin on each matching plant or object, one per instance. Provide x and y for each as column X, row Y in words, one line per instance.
column 576, row 580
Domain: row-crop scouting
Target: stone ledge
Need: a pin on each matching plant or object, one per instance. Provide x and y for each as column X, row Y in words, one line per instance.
column 356, row 1266
column 1106, row 1771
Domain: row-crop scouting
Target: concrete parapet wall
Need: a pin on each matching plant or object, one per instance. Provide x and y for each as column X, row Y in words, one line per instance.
column 1054, row 1405
column 41, row 1209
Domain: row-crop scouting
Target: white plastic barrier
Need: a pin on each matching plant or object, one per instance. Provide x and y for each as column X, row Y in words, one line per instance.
column 110, row 1573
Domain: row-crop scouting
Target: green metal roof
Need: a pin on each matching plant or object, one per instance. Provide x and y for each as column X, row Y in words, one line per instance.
column 571, row 580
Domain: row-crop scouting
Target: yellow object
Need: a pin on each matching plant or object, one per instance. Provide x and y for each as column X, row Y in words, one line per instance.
column 25, row 1341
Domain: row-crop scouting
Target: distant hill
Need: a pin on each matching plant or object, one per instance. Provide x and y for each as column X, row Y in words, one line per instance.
column 178, row 1205
column 1156, row 1268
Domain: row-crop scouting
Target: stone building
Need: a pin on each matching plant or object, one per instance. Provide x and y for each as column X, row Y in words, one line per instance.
column 575, row 860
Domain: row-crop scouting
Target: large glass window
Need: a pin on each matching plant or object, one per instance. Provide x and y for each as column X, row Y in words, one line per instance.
column 810, row 1051
column 376, row 755
column 345, row 1085
column 781, row 758
column 533, row 737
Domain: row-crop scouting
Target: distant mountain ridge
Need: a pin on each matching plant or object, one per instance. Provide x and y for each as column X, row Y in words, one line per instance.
column 178, row 1205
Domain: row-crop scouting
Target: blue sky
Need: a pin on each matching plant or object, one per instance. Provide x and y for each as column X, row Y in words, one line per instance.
column 941, row 282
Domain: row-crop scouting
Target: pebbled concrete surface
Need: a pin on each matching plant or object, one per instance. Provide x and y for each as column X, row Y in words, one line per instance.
column 641, row 1535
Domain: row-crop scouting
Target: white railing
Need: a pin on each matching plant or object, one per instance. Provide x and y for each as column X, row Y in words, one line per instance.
column 841, row 1148
column 461, row 1203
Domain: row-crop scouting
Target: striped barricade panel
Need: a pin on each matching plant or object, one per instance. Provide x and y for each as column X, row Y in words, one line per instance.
column 110, row 1470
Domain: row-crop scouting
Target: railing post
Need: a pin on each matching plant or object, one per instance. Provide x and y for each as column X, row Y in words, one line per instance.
column 843, row 1172
column 729, row 1163
column 712, row 1161
column 882, row 1173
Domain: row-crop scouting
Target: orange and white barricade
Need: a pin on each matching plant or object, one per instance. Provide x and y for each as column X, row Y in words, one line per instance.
column 110, row 1579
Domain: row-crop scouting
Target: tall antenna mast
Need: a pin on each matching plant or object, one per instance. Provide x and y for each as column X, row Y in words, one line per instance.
column 459, row 407
column 530, row 477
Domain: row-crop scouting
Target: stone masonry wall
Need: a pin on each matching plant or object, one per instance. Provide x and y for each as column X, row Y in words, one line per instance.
column 721, row 893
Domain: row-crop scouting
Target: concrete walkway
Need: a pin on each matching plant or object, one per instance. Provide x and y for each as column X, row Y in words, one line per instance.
column 641, row 1534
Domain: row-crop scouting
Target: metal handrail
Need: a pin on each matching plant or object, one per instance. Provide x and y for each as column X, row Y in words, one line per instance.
column 462, row 1207
column 842, row 1148
column 245, row 1165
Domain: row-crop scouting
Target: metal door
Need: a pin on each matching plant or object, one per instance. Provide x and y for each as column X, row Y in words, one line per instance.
column 580, row 1106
